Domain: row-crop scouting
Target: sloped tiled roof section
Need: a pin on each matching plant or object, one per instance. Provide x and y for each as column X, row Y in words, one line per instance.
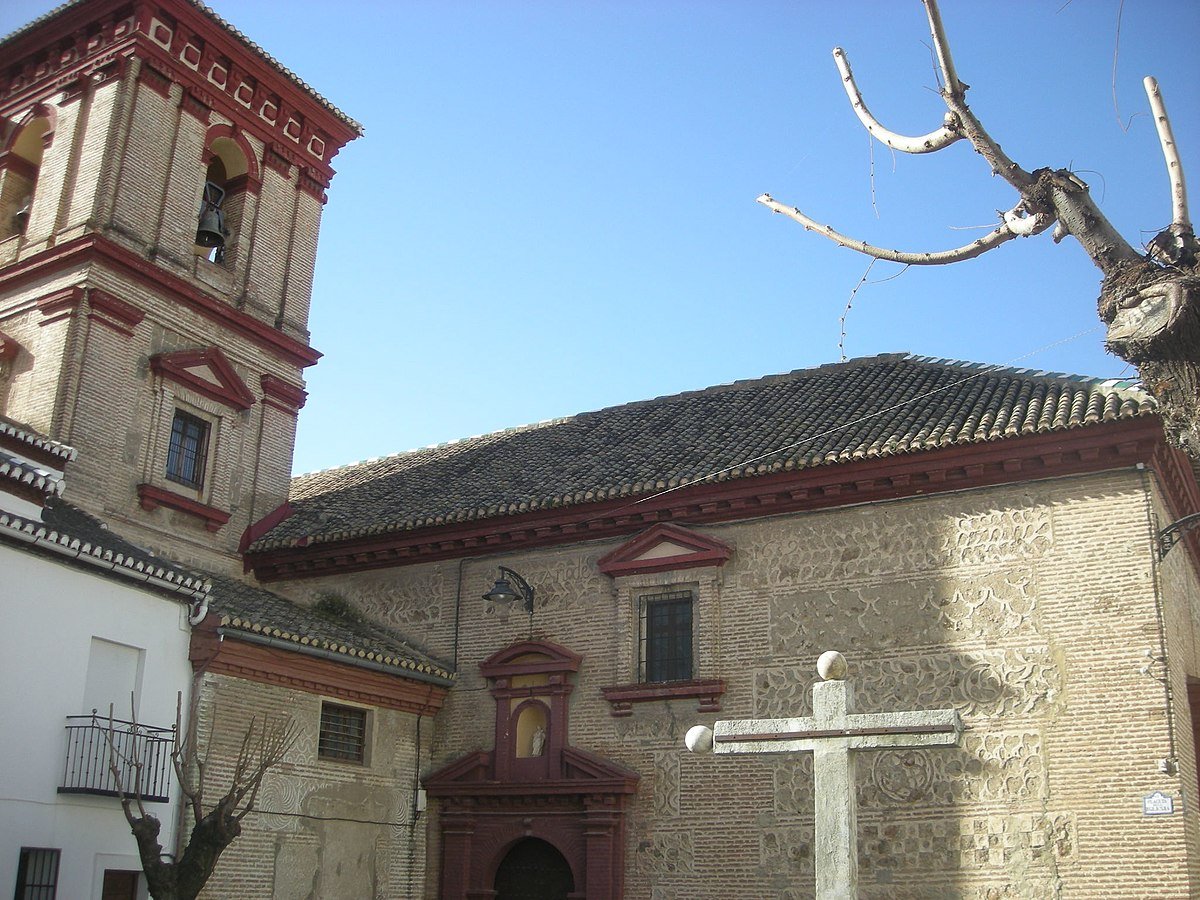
column 70, row 532
column 243, row 607
column 873, row 407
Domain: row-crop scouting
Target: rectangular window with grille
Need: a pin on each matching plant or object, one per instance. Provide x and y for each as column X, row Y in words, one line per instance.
column 188, row 450
column 37, row 874
column 666, row 637
column 343, row 733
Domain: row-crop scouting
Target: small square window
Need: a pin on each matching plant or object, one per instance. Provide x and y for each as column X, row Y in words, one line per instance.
column 343, row 733
column 666, row 637
column 188, row 450
column 37, row 874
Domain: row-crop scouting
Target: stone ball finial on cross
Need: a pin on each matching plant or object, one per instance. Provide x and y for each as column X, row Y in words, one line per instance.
column 831, row 666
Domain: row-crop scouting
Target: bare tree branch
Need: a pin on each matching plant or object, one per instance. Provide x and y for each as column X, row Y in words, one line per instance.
column 1151, row 305
column 184, row 877
column 941, row 47
column 1016, row 224
column 1184, row 244
column 925, row 143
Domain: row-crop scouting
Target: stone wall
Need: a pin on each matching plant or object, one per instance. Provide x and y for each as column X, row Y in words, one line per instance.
column 1028, row 608
column 321, row 829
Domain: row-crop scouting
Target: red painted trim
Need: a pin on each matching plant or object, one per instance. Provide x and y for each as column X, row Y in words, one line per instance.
column 282, row 394
column 194, row 106
column 18, row 165
column 154, row 79
column 623, row 696
column 221, row 130
column 59, row 305
column 704, row 551
column 118, row 315
column 231, row 392
column 92, row 248
column 304, row 672
column 152, row 497
column 557, row 659
column 255, row 530
column 47, row 111
column 242, row 184
column 312, row 186
column 1088, row 449
column 277, row 163
column 129, row 36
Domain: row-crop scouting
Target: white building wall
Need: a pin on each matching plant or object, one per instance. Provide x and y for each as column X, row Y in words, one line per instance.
column 49, row 613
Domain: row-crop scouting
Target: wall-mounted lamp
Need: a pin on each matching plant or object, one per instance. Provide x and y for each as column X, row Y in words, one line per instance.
column 503, row 592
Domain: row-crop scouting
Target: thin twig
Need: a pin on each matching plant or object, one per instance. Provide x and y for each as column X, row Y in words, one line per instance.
column 846, row 311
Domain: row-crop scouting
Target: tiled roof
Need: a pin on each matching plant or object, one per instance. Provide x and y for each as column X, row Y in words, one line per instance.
column 243, row 607
column 26, row 435
column 250, row 45
column 874, row 407
column 71, row 533
column 24, row 472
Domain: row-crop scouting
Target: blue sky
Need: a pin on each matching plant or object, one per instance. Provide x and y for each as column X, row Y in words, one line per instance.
column 553, row 207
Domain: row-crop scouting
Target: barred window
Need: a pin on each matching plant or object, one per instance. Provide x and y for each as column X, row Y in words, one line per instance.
column 343, row 733
column 188, row 449
column 666, row 637
column 37, row 874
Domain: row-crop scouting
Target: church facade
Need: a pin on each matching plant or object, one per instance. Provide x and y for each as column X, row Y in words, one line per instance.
column 1007, row 543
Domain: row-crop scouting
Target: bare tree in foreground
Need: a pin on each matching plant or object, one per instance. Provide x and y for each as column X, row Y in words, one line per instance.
column 1148, row 301
column 184, row 877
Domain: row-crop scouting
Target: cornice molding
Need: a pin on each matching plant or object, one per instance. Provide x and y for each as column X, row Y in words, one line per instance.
column 698, row 550
column 224, row 654
column 177, row 366
column 118, row 315
column 215, row 67
column 283, row 395
column 708, row 691
column 1075, row 451
column 152, row 497
column 94, row 249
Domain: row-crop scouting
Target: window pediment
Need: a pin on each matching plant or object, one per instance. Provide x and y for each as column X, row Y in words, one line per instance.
column 207, row 372
column 664, row 548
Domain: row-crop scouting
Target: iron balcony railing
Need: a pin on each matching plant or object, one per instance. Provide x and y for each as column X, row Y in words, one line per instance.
column 94, row 743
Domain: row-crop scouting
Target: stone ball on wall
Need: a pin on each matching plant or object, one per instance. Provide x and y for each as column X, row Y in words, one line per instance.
column 699, row 739
column 831, row 666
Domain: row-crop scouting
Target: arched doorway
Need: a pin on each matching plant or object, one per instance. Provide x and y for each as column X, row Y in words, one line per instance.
column 533, row 870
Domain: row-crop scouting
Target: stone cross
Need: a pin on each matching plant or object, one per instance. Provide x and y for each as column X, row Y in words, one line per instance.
column 833, row 734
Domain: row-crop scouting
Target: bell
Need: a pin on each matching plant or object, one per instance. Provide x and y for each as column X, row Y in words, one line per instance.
column 211, row 230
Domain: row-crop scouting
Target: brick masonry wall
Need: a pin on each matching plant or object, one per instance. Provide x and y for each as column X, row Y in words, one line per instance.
column 129, row 162
column 1027, row 608
column 321, row 829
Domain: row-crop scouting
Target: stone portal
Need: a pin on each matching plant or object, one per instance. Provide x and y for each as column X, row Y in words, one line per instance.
column 534, row 810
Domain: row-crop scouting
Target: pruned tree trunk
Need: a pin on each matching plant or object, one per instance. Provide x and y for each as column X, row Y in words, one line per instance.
column 1148, row 301
column 213, row 831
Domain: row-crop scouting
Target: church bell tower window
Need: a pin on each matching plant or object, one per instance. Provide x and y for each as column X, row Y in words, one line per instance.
column 188, row 450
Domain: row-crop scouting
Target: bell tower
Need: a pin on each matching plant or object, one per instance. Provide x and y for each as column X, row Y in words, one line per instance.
column 161, row 187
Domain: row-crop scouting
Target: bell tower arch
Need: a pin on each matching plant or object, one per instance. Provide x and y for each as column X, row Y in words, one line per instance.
column 162, row 181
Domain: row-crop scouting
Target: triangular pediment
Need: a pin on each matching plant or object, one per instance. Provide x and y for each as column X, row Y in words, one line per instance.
column 581, row 773
column 528, row 658
column 206, row 372
column 665, row 548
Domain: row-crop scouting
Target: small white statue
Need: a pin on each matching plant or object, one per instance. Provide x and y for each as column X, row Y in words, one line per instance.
column 538, row 744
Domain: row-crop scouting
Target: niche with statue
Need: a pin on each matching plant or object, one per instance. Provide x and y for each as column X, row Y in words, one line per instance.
column 530, row 683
